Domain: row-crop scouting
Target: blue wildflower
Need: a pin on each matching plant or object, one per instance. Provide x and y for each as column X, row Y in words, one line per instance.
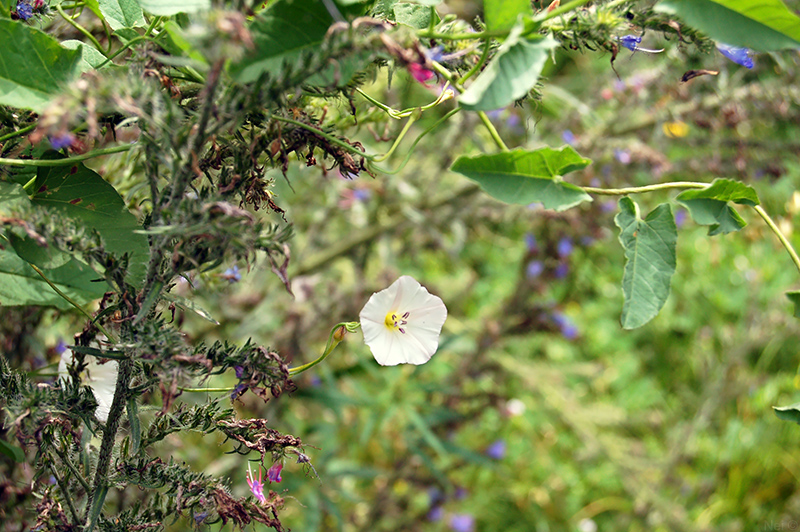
column 680, row 218
column 462, row 523
column 361, row 194
column 62, row 140
column 568, row 137
column 740, row 56
column 461, row 493
column 631, row 42
column 564, row 247
column 496, row 450
column 239, row 390
column 239, row 371
column 435, row 54
column 561, row 270
column 232, row 274
column 534, row 269
column 25, row 11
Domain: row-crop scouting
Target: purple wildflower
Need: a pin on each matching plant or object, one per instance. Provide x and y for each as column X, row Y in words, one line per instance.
column 740, row 56
column 239, row 371
column 62, row 140
column 199, row 518
column 61, row 346
column 680, row 218
column 461, row 493
column 238, row 390
column 24, row 11
column 462, row 523
column 568, row 329
column 564, row 247
column 622, row 156
column 274, row 472
column 435, row 53
column 497, row 450
column 568, row 137
column 561, row 270
column 631, row 42
column 530, row 242
column 534, row 269
column 420, row 73
column 256, row 486
column 436, row 513
column 361, row 194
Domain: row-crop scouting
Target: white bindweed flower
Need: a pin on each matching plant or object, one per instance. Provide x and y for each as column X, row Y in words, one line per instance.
column 101, row 378
column 402, row 324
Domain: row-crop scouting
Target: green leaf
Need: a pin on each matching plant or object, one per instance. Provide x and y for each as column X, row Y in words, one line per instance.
column 173, row 39
column 283, row 33
column 122, row 13
column 90, row 57
column 788, row 413
column 503, row 14
column 21, row 285
column 522, row 177
column 414, row 15
column 649, row 246
column 794, row 297
column 510, row 75
column 81, row 194
column 763, row 25
column 167, row 8
column 33, row 66
column 709, row 206
column 12, row 451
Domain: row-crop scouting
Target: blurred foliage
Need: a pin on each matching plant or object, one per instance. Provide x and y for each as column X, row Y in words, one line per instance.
column 665, row 428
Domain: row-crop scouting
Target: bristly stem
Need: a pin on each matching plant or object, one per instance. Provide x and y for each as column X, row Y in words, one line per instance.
column 65, row 492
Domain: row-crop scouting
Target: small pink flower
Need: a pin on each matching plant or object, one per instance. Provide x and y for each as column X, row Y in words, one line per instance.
column 420, row 73
column 274, row 472
column 256, row 486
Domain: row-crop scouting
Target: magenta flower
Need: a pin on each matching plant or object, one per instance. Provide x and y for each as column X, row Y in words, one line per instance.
column 420, row 73
column 256, row 486
column 274, row 472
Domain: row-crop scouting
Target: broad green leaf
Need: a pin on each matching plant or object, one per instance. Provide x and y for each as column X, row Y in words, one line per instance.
column 415, row 15
column 709, row 206
column 788, row 413
column 121, row 13
column 283, row 33
column 12, row 451
column 167, row 8
column 21, row 285
column 81, row 194
column 510, row 75
column 522, row 177
column 763, row 25
column 174, row 40
column 503, row 14
column 33, row 66
column 649, row 246
column 90, row 57
column 794, row 297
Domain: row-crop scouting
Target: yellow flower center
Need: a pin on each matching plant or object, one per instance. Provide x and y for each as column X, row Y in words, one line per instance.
column 395, row 321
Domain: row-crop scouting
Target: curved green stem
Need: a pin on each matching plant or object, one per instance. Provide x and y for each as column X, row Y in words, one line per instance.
column 411, row 120
column 775, row 229
column 209, row 390
column 482, row 61
column 336, row 336
column 492, row 131
column 642, row 190
column 416, row 141
column 18, row 132
column 68, row 161
column 72, row 302
column 569, row 6
column 81, row 29
column 127, row 45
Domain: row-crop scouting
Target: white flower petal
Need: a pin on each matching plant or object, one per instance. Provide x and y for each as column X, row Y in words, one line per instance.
column 101, row 378
column 422, row 314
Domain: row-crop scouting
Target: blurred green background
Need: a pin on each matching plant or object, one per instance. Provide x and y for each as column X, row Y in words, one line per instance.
column 538, row 412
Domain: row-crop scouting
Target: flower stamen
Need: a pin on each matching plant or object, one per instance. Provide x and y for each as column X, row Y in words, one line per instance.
column 392, row 322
